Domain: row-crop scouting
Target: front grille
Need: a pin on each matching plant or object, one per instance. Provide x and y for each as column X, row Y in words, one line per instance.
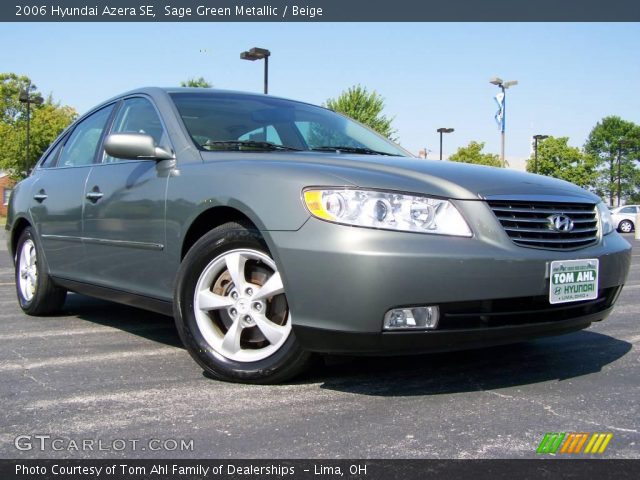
column 519, row 311
column 528, row 224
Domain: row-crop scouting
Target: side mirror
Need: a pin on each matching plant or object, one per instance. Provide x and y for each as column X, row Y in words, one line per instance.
column 135, row 146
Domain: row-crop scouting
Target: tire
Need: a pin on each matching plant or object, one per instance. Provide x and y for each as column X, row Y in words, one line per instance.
column 231, row 311
column 37, row 294
column 625, row 226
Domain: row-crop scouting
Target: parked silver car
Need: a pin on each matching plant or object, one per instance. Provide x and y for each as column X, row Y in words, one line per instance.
column 624, row 218
column 273, row 229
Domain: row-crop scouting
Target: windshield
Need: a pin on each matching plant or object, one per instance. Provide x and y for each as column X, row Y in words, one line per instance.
column 230, row 121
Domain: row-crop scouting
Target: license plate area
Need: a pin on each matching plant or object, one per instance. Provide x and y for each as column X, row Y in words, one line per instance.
column 573, row 280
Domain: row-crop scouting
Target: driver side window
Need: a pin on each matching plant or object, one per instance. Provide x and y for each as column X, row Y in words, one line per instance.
column 80, row 147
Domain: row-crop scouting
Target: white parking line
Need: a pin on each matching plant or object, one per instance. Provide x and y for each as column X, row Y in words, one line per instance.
column 113, row 356
column 82, row 331
column 171, row 394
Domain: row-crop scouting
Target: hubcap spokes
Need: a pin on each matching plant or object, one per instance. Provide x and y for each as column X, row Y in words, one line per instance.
column 245, row 304
column 28, row 270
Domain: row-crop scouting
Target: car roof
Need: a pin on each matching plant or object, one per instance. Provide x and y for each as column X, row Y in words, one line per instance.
column 156, row 92
column 202, row 91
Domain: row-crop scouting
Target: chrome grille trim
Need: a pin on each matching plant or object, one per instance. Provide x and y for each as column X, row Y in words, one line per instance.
column 527, row 223
column 541, row 220
column 548, row 211
column 537, row 230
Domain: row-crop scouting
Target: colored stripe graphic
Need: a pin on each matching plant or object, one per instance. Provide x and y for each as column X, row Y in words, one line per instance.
column 573, row 442
column 550, row 443
column 598, row 443
column 581, row 442
column 568, row 443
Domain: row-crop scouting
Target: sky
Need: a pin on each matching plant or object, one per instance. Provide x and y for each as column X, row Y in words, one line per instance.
column 431, row 75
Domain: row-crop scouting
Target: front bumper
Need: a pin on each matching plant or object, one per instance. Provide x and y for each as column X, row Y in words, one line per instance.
column 341, row 280
column 402, row 343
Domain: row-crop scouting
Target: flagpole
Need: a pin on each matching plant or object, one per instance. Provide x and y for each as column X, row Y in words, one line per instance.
column 504, row 120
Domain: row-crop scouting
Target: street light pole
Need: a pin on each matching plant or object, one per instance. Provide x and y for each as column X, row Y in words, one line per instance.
column 25, row 97
column 259, row 54
column 266, row 74
column 441, row 131
column 535, row 149
column 503, row 125
column 619, row 173
column 503, row 109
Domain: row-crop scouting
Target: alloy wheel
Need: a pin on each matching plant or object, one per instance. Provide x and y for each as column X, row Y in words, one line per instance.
column 28, row 270
column 240, row 306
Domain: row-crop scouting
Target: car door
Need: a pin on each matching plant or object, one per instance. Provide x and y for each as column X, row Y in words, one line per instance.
column 57, row 195
column 124, row 211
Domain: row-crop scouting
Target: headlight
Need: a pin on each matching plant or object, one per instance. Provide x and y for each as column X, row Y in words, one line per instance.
column 606, row 221
column 387, row 210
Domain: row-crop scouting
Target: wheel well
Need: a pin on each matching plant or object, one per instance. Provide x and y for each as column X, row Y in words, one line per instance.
column 210, row 219
column 16, row 231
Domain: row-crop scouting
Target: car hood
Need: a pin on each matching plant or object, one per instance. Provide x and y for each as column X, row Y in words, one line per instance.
column 439, row 178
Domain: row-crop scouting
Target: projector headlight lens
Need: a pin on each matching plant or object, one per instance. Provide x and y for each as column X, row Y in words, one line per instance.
column 386, row 210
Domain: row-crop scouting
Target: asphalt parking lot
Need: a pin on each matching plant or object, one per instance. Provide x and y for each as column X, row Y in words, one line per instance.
column 107, row 372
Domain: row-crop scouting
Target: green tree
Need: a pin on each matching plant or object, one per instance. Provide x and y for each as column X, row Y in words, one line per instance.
column 11, row 110
column 199, row 82
column 48, row 120
column 556, row 158
column 472, row 153
column 365, row 107
column 614, row 145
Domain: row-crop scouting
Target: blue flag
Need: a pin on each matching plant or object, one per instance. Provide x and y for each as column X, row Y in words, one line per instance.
column 499, row 116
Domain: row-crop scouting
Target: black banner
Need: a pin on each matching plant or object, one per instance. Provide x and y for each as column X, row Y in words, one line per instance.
column 123, row 469
column 318, row 10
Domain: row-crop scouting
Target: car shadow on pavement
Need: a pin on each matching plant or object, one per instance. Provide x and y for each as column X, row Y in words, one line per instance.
column 143, row 323
column 559, row 358
column 554, row 358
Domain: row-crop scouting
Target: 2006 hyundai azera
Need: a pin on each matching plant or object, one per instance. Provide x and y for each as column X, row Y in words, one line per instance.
column 272, row 229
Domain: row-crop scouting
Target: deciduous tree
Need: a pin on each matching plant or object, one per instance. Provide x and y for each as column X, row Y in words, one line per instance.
column 48, row 120
column 199, row 82
column 556, row 158
column 365, row 107
column 614, row 143
column 472, row 153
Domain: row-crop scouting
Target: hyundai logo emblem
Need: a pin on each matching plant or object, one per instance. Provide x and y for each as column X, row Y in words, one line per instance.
column 561, row 223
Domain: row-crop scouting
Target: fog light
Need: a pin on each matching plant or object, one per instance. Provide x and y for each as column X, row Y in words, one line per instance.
column 411, row 318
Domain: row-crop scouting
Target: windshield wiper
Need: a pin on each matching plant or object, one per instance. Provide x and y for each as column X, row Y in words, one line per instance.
column 344, row 148
column 251, row 144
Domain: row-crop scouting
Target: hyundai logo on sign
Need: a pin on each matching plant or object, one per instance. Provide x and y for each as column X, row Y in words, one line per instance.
column 561, row 223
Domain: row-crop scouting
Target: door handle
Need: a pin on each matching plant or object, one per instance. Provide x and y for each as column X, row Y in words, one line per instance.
column 40, row 197
column 94, row 195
